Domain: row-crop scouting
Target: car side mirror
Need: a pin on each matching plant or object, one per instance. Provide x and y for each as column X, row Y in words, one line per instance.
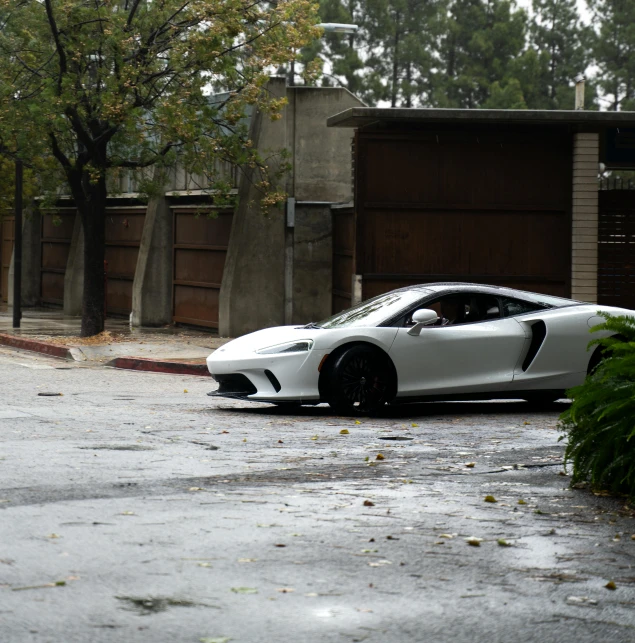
column 422, row 317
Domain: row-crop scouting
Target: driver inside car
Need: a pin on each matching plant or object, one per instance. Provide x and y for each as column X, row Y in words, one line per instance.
column 450, row 312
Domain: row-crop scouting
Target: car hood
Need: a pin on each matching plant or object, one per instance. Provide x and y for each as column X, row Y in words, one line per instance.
column 267, row 337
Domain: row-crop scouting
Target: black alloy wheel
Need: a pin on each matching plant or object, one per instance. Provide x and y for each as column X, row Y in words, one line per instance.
column 360, row 381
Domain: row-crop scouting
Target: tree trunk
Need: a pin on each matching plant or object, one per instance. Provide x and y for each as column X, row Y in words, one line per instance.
column 90, row 198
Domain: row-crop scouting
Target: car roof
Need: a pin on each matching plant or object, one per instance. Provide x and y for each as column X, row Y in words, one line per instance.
column 459, row 286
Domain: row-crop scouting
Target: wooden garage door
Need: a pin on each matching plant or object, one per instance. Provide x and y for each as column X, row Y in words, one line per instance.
column 57, row 232
column 616, row 248
column 201, row 237
column 124, row 227
column 7, row 237
column 463, row 206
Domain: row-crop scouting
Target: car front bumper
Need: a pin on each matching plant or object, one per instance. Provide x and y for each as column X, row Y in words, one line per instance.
column 290, row 377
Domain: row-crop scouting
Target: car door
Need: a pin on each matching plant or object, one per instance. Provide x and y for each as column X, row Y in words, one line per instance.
column 476, row 351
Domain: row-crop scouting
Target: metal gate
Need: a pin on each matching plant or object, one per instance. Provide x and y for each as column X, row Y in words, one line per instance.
column 616, row 248
column 124, row 227
column 201, row 238
column 7, row 237
column 57, row 232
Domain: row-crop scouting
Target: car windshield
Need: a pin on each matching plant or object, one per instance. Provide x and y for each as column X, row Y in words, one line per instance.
column 373, row 312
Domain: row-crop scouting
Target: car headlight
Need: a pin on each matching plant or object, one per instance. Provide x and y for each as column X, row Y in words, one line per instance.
column 301, row 346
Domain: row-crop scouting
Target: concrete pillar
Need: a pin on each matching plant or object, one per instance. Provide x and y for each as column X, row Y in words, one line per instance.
column 74, row 277
column 312, row 263
column 31, row 259
column 252, row 293
column 152, row 285
column 584, row 217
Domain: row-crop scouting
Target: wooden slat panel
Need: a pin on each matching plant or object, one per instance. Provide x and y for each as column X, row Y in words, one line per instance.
column 57, row 232
column 200, row 305
column 616, row 248
column 124, row 228
column 200, row 249
column 7, row 237
column 343, row 253
column 52, row 287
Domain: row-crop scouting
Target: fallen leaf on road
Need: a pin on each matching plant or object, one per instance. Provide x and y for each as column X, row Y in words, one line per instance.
column 59, row 583
column 368, row 503
column 127, row 513
column 285, row 590
column 51, row 394
column 470, row 465
column 475, row 542
column 196, row 489
column 344, row 432
column 357, row 422
column 247, row 560
column 380, row 457
column 185, row 390
column 490, row 499
column 611, row 585
column 53, row 536
column 503, row 543
column 218, row 639
column 448, row 536
column 521, row 502
column 205, row 564
column 526, row 423
column 279, row 545
column 244, row 590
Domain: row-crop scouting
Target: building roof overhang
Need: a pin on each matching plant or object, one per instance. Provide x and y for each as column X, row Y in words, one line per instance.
column 579, row 120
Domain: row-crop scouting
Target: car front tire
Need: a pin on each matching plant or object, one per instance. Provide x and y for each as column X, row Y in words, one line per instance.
column 360, row 381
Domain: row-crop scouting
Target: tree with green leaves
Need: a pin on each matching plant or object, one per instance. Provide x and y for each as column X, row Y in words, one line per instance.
column 557, row 36
column 613, row 48
column 481, row 39
column 109, row 85
column 340, row 54
column 400, row 37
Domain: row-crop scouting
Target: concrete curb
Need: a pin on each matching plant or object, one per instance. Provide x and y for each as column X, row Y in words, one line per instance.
column 158, row 366
column 36, row 346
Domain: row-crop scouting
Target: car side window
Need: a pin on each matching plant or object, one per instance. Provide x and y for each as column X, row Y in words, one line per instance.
column 512, row 307
column 459, row 309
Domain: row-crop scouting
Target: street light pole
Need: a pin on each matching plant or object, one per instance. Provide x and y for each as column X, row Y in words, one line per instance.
column 17, row 248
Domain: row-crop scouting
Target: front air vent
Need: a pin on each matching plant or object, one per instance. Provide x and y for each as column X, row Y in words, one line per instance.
column 538, row 334
column 274, row 381
column 235, row 383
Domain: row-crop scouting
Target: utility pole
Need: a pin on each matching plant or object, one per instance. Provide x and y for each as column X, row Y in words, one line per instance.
column 17, row 248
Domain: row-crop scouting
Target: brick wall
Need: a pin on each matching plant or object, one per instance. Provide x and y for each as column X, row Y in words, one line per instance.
column 584, row 246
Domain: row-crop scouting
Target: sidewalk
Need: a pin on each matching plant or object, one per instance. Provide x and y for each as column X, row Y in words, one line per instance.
column 165, row 350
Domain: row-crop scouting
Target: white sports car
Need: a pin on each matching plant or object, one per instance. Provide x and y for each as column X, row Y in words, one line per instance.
column 442, row 341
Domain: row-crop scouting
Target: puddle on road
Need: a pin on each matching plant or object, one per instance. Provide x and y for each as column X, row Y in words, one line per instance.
column 395, row 437
column 152, row 605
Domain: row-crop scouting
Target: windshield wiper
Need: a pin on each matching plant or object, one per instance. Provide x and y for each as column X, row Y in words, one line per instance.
column 312, row 325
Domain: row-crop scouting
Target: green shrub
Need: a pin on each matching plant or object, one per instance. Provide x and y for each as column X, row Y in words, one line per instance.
column 600, row 423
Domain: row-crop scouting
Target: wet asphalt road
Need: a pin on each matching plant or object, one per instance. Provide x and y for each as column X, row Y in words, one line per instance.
column 133, row 511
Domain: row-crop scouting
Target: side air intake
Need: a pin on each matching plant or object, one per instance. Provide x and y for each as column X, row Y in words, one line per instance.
column 538, row 334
